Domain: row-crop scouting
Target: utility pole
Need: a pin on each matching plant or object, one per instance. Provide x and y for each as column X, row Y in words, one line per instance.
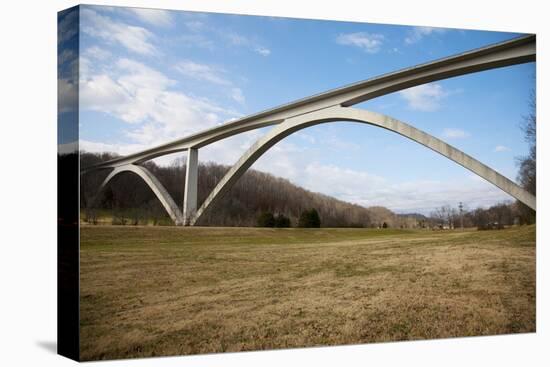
column 460, row 208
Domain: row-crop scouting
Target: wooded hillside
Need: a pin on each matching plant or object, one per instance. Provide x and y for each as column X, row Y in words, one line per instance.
column 254, row 193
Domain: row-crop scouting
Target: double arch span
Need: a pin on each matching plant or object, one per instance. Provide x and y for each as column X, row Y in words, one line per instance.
column 334, row 105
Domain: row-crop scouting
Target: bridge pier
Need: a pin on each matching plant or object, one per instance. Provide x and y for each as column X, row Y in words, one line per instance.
column 191, row 183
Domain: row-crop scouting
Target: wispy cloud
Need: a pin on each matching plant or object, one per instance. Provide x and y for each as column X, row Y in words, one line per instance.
column 501, row 148
column 426, row 97
column 237, row 95
column 338, row 145
column 417, row 33
column 306, row 137
column 67, row 92
column 97, row 53
column 210, row 74
column 202, row 72
column 240, row 40
column 195, row 25
column 195, row 40
column 68, row 27
column 200, row 33
column 263, row 51
column 144, row 97
column 368, row 42
column 99, row 147
column 237, row 39
column 156, row 17
column 133, row 38
column 452, row 133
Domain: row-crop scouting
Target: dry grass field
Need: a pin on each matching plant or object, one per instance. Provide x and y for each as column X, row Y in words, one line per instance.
column 149, row 291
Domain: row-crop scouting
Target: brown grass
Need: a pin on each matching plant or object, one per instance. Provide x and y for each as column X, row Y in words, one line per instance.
column 149, row 291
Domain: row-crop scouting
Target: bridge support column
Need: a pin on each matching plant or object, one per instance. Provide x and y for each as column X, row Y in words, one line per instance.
column 191, row 183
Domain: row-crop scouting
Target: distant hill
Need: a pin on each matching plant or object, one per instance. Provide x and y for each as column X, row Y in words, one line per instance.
column 254, row 193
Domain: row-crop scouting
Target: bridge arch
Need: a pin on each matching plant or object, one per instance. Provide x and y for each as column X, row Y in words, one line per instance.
column 339, row 113
column 512, row 52
column 154, row 184
column 333, row 105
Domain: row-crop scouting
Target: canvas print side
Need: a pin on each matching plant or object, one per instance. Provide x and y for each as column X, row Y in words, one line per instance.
column 68, row 172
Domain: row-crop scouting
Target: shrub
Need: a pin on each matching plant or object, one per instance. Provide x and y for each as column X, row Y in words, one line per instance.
column 309, row 219
column 282, row 221
column 266, row 219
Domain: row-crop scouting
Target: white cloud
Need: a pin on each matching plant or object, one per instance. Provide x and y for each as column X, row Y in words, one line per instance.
column 202, row 72
column 303, row 165
column 194, row 25
column 501, row 148
column 426, row 97
column 417, row 33
column 240, row 40
column 368, row 42
column 451, row 133
column 263, row 51
column 367, row 189
column 338, row 145
column 67, row 86
column 68, row 27
column 237, row 95
column 237, row 39
column 99, row 147
column 156, row 17
column 196, row 40
column 202, row 35
column 67, row 96
column 229, row 150
column 135, row 39
column 142, row 96
column 341, row 182
column 286, row 160
column 66, row 56
column 123, row 149
column 212, row 75
column 102, row 93
column 306, row 137
column 97, row 53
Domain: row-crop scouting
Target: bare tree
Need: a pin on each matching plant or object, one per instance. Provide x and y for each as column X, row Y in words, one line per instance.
column 527, row 175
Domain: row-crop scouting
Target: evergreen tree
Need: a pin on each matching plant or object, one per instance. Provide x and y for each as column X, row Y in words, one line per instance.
column 282, row 221
column 309, row 219
column 266, row 219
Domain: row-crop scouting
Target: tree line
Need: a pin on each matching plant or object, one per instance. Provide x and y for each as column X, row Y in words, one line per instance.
column 130, row 201
column 261, row 199
column 498, row 216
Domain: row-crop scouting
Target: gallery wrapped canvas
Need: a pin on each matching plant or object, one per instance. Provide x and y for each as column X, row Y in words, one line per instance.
column 232, row 183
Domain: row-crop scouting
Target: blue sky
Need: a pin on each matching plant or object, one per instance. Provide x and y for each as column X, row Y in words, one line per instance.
column 151, row 76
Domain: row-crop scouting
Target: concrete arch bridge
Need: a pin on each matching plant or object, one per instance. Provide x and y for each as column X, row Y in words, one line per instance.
column 330, row 106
